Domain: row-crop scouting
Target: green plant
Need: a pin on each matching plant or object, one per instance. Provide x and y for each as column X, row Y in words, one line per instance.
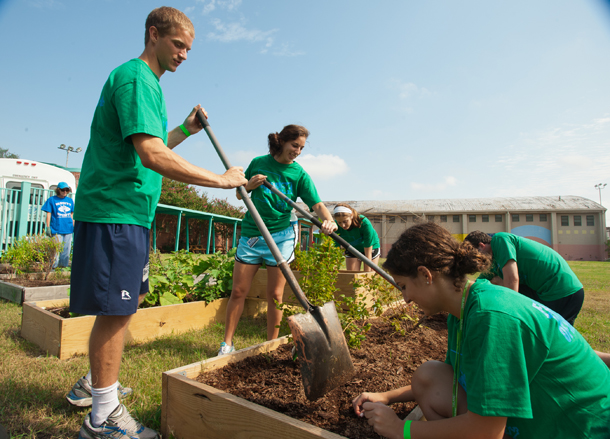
column 169, row 280
column 218, row 279
column 32, row 250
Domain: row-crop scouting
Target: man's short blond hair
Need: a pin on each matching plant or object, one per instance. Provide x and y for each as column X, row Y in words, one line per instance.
column 166, row 20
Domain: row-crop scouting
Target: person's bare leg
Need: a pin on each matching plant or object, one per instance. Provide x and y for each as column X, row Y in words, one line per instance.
column 432, row 386
column 242, row 279
column 352, row 264
column 275, row 291
column 106, row 349
column 604, row 356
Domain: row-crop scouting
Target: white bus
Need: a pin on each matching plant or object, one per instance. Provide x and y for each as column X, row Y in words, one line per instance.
column 23, row 216
column 13, row 172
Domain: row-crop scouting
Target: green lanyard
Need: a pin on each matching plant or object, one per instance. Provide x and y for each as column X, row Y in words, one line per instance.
column 456, row 371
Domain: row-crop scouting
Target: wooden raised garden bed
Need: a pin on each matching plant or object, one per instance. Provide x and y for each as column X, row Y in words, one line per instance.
column 192, row 410
column 65, row 337
column 20, row 294
column 258, row 289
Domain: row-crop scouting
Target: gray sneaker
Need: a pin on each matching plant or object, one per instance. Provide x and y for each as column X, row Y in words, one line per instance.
column 225, row 349
column 80, row 395
column 119, row 424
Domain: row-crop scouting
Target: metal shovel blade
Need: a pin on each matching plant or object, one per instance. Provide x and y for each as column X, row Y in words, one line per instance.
column 322, row 349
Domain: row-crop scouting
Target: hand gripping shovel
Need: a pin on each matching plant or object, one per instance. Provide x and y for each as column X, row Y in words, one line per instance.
column 323, row 354
column 333, row 235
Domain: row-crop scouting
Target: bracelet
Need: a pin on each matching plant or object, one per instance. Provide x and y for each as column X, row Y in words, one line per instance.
column 184, row 130
column 407, row 430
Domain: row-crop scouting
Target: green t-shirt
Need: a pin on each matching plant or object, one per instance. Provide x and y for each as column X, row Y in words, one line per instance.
column 291, row 180
column 521, row 360
column 114, row 186
column 360, row 237
column 540, row 267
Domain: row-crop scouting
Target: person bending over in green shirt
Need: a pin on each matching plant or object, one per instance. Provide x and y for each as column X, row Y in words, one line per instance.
column 359, row 232
column 532, row 269
column 515, row 368
column 280, row 169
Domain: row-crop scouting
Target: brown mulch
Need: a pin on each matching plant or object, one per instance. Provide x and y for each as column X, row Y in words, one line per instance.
column 385, row 361
column 37, row 282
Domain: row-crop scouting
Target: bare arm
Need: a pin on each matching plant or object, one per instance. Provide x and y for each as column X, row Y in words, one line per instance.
column 156, row 156
column 402, row 394
column 328, row 223
column 192, row 125
column 48, row 220
column 368, row 252
column 253, row 183
column 511, row 275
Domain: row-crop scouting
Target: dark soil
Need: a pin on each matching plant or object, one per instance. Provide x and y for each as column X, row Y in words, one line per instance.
column 385, row 361
column 38, row 282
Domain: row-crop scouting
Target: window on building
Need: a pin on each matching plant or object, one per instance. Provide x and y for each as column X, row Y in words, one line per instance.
column 376, row 220
column 577, row 220
column 485, row 218
column 403, row 219
column 590, row 220
column 443, row 218
column 515, row 217
column 565, row 220
column 392, row 220
column 542, row 217
column 431, row 218
column 498, row 218
column 529, row 217
column 456, row 218
column 472, row 218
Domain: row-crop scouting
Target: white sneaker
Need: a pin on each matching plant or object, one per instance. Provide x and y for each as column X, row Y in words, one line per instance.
column 226, row 349
column 119, row 424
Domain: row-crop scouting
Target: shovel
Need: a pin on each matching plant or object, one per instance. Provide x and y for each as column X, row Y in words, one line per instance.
column 318, row 336
column 333, row 235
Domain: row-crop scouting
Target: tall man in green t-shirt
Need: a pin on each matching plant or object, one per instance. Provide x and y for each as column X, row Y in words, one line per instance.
column 129, row 151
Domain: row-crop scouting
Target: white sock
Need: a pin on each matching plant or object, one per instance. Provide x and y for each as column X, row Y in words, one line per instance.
column 88, row 376
column 104, row 402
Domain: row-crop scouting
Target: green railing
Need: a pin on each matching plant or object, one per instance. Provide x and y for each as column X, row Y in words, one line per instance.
column 21, row 215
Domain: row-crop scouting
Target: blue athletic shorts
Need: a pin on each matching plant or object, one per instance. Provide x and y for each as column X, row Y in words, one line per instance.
column 109, row 268
column 253, row 251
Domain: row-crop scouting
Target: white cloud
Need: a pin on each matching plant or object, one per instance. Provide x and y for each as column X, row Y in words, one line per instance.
column 408, row 89
column 232, row 32
column 243, row 158
column 285, row 50
column 435, row 187
column 324, row 166
column 210, row 5
column 568, row 159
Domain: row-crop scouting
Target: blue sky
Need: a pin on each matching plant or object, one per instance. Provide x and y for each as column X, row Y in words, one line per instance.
column 404, row 99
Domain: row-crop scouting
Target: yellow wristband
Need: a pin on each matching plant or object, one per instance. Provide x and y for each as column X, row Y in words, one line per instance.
column 184, row 130
column 407, row 430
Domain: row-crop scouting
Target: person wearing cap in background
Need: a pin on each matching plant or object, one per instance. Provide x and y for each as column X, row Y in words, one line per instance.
column 60, row 225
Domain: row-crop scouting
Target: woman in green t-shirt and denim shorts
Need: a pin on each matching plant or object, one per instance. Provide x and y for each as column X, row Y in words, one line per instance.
column 279, row 169
column 514, row 368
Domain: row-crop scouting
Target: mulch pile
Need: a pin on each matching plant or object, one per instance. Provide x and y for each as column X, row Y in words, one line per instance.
column 385, row 361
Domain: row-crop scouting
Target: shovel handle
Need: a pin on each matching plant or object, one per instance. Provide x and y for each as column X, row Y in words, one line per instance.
column 281, row 262
column 333, row 235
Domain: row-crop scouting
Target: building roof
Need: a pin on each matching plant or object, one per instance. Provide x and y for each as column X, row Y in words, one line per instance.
column 484, row 205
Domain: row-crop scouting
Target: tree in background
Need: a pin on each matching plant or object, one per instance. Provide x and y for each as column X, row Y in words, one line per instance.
column 5, row 154
column 174, row 193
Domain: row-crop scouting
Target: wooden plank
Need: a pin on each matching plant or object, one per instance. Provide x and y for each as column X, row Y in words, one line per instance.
column 45, row 293
column 11, row 292
column 195, row 410
column 67, row 337
column 41, row 327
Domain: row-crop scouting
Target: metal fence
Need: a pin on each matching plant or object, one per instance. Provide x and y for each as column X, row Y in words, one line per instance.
column 21, row 215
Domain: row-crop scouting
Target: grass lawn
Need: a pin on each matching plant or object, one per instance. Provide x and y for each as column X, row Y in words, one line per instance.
column 33, row 386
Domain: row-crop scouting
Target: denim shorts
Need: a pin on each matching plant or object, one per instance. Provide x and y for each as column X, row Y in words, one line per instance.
column 109, row 268
column 254, row 251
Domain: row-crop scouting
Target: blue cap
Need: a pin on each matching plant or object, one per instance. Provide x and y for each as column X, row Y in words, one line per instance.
column 62, row 185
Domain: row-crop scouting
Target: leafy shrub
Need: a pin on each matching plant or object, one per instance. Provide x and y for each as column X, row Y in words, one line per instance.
column 31, row 251
column 172, row 280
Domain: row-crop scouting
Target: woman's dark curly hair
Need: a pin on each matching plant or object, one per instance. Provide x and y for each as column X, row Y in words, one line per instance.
column 290, row 132
column 432, row 246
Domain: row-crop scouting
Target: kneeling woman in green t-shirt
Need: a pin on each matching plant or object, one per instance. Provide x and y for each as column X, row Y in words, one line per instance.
column 279, row 169
column 359, row 232
column 514, row 368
